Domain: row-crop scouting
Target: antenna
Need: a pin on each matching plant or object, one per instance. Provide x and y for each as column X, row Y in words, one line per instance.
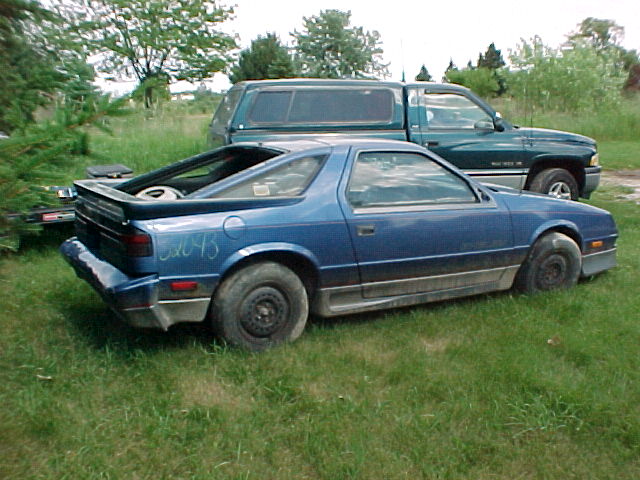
column 402, row 60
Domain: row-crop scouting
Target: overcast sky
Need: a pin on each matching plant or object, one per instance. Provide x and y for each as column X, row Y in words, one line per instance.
column 431, row 32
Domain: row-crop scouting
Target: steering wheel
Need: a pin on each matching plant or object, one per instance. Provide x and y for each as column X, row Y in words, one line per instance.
column 159, row 192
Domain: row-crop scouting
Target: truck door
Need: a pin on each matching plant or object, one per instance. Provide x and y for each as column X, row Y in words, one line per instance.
column 462, row 130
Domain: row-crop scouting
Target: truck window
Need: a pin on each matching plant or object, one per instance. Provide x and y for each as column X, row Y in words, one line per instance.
column 323, row 106
column 225, row 111
column 449, row 110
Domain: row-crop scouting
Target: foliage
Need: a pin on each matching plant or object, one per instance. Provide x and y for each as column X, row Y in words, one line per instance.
column 39, row 154
column 329, row 47
column 28, row 64
column 265, row 58
column 450, row 67
column 492, row 58
column 605, row 37
column 173, row 39
column 424, row 75
column 579, row 78
column 481, row 80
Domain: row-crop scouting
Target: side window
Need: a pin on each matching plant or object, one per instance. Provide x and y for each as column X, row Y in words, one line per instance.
column 397, row 179
column 450, row 110
column 287, row 180
column 270, row 107
column 225, row 111
column 323, row 106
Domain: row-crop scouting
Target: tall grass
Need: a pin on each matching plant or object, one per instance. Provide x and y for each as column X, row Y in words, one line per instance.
column 498, row 386
column 606, row 124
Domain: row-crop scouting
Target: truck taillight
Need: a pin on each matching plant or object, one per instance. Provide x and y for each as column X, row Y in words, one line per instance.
column 137, row 244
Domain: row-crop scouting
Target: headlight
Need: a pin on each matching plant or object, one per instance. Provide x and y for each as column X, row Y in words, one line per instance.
column 595, row 161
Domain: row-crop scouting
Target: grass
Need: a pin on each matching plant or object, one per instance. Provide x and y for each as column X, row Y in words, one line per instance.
column 617, row 131
column 492, row 387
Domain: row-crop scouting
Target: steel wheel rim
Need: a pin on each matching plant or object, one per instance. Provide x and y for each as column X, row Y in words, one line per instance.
column 552, row 272
column 264, row 312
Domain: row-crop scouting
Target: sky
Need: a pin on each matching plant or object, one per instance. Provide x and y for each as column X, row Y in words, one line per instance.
column 426, row 32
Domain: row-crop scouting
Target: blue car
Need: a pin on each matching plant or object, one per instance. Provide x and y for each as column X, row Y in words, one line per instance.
column 253, row 237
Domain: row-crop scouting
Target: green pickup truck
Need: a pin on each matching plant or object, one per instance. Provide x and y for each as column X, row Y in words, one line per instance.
column 448, row 119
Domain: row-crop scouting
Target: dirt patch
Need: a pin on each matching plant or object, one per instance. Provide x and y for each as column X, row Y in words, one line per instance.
column 624, row 178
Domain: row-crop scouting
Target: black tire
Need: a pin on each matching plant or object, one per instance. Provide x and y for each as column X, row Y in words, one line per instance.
column 554, row 262
column 259, row 306
column 556, row 182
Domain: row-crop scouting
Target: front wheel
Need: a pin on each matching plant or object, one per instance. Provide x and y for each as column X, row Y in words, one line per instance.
column 259, row 306
column 556, row 182
column 554, row 262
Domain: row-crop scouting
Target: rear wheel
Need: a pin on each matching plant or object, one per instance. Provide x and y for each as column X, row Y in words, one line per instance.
column 556, row 182
column 259, row 306
column 554, row 262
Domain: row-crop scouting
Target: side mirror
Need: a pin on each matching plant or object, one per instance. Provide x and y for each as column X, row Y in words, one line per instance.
column 498, row 123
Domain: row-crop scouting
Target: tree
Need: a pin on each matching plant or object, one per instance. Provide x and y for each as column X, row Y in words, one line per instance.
column 28, row 65
column 451, row 66
column 605, row 37
column 600, row 34
column 492, row 59
column 152, row 41
column 424, row 75
column 565, row 79
column 480, row 80
column 265, row 58
column 39, row 154
column 329, row 47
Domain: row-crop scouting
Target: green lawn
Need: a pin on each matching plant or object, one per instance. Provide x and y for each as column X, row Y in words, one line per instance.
column 620, row 154
column 493, row 387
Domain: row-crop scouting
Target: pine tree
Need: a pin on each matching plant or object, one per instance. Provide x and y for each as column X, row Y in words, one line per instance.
column 38, row 155
column 424, row 75
column 265, row 58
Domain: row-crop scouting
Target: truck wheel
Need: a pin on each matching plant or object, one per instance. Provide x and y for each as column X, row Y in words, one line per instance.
column 553, row 262
column 556, row 182
column 259, row 306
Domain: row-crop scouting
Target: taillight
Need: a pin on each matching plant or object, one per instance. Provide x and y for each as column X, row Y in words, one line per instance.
column 137, row 244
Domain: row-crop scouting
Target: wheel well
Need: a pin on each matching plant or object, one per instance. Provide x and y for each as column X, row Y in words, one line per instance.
column 299, row 264
column 572, row 234
column 573, row 167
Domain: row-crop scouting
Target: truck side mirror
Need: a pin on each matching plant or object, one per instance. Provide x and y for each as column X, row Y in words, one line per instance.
column 498, row 123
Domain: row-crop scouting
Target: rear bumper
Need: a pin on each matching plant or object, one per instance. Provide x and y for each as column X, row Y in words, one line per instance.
column 134, row 299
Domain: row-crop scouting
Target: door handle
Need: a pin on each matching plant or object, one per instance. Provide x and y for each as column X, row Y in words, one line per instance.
column 366, row 230
column 432, row 144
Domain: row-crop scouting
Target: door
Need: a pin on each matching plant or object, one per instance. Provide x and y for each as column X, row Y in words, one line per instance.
column 417, row 226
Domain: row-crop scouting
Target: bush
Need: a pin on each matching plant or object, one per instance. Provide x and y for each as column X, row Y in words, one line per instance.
column 482, row 81
column 567, row 80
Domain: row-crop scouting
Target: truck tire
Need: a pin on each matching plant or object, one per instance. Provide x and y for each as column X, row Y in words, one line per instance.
column 554, row 262
column 556, row 182
column 259, row 306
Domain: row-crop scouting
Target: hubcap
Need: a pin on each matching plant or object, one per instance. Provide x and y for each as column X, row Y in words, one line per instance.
column 552, row 273
column 263, row 312
column 560, row 190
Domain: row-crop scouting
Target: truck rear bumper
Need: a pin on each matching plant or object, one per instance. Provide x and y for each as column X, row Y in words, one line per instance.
column 134, row 299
